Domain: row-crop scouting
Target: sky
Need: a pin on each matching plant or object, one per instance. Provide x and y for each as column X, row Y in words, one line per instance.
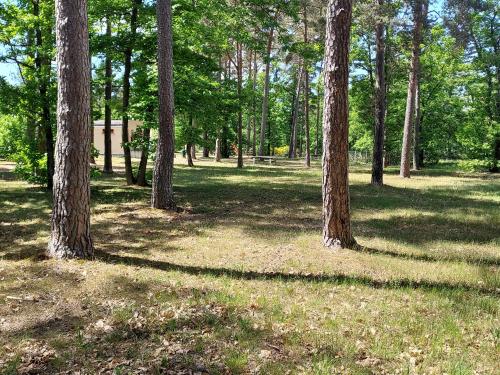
column 11, row 73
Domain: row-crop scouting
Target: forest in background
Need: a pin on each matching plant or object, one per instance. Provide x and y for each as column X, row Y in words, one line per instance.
column 223, row 56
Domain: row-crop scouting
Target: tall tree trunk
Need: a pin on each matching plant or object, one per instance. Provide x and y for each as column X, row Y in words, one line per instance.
column 254, row 107
column 336, row 205
column 412, row 89
column 108, row 89
column 265, row 100
column 193, row 151
column 70, row 227
column 163, row 191
column 292, row 149
column 416, row 134
column 307, row 160
column 239, row 73
column 206, row 151
column 318, row 111
column 218, row 154
column 249, row 119
column 146, row 138
column 141, row 172
column 378, row 134
column 42, row 65
column 126, row 91
column 189, row 154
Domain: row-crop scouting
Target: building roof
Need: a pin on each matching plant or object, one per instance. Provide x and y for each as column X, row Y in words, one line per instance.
column 115, row 122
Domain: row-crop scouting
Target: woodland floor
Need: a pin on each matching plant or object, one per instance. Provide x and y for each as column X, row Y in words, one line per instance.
column 240, row 283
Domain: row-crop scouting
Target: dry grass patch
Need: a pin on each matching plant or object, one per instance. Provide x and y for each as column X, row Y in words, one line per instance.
column 239, row 281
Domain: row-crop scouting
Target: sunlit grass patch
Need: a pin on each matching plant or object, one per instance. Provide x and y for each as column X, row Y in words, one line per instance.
column 239, row 282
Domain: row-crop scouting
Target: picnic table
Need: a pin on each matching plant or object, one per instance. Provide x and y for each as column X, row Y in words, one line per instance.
column 271, row 159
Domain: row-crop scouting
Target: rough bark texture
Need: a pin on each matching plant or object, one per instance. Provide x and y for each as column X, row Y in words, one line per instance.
column 412, row 89
column 108, row 156
column 378, row 131
column 70, row 226
column 265, row 100
column 336, row 210
column 127, row 69
column 163, row 192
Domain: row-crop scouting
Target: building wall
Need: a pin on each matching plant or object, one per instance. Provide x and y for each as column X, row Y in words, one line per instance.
column 116, row 135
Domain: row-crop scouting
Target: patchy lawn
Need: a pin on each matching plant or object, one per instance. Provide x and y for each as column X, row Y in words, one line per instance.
column 240, row 283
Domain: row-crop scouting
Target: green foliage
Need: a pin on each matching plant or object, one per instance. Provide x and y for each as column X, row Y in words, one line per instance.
column 30, row 165
column 476, row 165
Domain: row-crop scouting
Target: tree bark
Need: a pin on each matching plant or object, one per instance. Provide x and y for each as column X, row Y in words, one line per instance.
column 126, row 92
column 336, row 205
column 70, row 225
column 141, row 171
column 239, row 74
column 108, row 89
column 318, row 112
column 249, row 119
column 146, row 138
column 218, row 156
column 254, row 107
column 189, row 154
column 206, row 151
column 42, row 65
column 307, row 160
column 378, row 133
column 292, row 149
column 412, row 89
column 265, row 100
column 163, row 191
column 416, row 134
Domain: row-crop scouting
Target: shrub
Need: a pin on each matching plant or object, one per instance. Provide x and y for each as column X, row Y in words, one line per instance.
column 281, row 151
column 475, row 165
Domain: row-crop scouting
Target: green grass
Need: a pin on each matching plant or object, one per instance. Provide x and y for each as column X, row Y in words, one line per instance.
column 240, row 283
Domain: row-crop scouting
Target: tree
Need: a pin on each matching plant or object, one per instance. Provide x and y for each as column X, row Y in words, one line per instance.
column 70, row 235
column 129, row 48
column 378, row 134
column 163, row 192
column 418, row 13
column 108, row 160
column 306, row 95
column 265, row 101
column 336, row 210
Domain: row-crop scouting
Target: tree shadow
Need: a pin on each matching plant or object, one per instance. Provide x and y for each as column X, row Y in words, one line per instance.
column 337, row 278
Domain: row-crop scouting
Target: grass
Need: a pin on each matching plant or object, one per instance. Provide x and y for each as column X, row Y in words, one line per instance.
column 240, row 283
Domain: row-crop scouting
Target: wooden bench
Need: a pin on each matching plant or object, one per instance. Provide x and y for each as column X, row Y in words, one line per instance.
column 271, row 159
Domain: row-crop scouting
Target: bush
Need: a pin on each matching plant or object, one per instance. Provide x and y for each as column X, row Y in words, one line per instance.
column 475, row 165
column 281, row 151
column 11, row 133
column 31, row 165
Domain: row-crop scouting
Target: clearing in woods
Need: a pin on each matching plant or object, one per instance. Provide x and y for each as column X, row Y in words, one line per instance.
column 239, row 282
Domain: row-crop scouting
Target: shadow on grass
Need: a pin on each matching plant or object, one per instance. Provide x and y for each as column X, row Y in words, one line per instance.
column 281, row 201
column 430, row 258
column 281, row 276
